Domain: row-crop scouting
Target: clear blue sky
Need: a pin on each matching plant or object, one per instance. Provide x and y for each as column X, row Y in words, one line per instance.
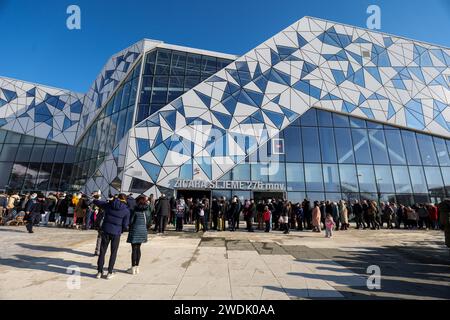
column 36, row 46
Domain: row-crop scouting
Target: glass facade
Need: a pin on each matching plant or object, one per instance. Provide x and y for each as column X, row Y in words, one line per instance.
column 33, row 164
column 329, row 156
column 326, row 156
column 168, row 74
column 105, row 133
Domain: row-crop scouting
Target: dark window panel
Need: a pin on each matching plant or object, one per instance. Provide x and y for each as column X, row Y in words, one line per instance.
column 178, row 64
column 18, row 175
column 56, row 177
column 5, row 170
column 8, row 152
column 2, row 136
column 193, row 64
column 209, row 65
column 12, row 137
column 24, row 153
column 190, row 82
column 143, row 112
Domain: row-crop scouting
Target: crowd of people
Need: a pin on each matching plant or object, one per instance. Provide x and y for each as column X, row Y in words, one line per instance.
column 138, row 216
column 79, row 211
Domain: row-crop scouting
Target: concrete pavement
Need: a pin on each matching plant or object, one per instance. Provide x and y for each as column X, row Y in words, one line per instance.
column 227, row 265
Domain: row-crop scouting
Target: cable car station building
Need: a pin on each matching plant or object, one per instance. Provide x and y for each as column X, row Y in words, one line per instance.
column 321, row 110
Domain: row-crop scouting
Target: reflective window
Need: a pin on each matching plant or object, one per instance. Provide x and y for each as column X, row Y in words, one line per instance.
column 411, row 148
column 241, row 172
column 331, row 177
column 340, row 121
column 366, row 178
column 427, row 151
column 313, row 177
column 324, row 118
column 5, row 169
column 401, row 179
column 276, row 172
column 292, row 143
column 327, row 145
column 446, row 176
column 193, row 64
column 349, row 179
column 294, row 176
column 259, row 172
column 309, row 118
column 344, row 145
column 361, row 146
column 209, row 65
column 395, row 147
column 178, row 63
column 434, row 178
column 296, row 197
column 378, row 147
column 24, row 153
column 311, row 152
column 357, row 123
column 383, row 178
column 441, row 151
column 418, row 181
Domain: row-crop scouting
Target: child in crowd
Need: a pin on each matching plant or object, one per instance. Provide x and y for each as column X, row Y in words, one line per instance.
column 329, row 225
column 266, row 217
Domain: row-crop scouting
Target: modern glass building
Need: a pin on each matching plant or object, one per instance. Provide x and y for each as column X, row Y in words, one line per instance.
column 321, row 110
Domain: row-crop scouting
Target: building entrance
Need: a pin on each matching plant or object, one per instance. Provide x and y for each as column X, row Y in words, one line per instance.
column 194, row 194
column 264, row 195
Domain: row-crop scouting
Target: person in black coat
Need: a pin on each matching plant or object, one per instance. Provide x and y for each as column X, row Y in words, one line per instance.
column 307, row 214
column 358, row 212
column 34, row 208
column 138, row 231
column 162, row 210
column 115, row 221
column 215, row 212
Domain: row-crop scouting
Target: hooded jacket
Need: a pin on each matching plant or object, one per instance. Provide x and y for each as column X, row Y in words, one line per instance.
column 117, row 216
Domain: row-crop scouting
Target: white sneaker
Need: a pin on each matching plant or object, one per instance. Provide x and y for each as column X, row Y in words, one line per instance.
column 109, row 276
column 136, row 270
column 132, row 270
column 99, row 275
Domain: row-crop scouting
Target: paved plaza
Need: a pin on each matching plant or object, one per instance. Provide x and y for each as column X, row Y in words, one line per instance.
column 228, row 265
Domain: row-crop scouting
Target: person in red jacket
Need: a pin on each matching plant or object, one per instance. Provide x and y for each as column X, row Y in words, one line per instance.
column 266, row 218
column 433, row 216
